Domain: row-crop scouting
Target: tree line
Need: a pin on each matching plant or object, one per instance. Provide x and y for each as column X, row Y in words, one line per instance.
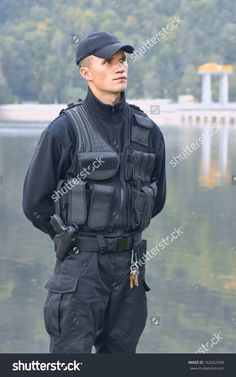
column 38, row 41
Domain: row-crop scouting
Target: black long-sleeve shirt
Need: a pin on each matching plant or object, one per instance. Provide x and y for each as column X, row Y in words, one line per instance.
column 55, row 151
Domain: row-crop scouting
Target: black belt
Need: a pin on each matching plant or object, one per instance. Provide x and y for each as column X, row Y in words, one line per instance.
column 104, row 244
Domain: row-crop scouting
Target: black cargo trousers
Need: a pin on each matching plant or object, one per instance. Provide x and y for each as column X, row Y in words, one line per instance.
column 90, row 303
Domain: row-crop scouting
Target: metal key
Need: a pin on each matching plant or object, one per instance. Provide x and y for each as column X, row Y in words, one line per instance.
column 134, row 272
column 133, row 277
column 131, row 281
column 136, row 278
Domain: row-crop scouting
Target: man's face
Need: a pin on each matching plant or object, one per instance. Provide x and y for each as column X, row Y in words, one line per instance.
column 108, row 75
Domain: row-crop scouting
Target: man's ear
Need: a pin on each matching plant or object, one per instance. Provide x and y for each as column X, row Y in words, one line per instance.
column 85, row 73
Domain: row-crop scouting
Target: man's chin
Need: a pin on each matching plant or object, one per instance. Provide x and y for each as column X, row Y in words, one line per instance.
column 119, row 88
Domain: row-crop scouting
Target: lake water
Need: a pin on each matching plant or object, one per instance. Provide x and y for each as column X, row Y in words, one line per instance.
column 193, row 279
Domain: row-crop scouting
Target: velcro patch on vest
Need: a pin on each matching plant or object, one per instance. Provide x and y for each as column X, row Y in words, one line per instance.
column 140, row 131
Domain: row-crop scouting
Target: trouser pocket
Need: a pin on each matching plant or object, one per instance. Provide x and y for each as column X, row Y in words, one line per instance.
column 100, row 206
column 142, row 203
column 60, row 308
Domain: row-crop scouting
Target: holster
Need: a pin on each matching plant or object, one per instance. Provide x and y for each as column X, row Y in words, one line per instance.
column 64, row 242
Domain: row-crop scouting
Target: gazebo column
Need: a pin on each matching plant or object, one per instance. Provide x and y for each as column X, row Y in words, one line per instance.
column 206, row 89
column 224, row 89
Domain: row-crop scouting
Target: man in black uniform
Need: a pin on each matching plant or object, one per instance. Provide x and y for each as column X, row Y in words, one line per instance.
column 100, row 167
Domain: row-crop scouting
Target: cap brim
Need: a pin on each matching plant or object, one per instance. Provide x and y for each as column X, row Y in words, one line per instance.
column 108, row 51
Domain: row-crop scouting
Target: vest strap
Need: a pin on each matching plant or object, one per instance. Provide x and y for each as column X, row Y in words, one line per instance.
column 87, row 138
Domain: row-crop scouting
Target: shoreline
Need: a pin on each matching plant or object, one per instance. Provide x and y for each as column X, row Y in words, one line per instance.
column 160, row 111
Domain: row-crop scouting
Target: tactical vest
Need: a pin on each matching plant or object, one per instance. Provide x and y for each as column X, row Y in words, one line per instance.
column 113, row 193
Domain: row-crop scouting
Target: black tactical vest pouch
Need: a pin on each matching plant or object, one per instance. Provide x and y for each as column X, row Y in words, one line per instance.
column 72, row 205
column 139, row 166
column 100, row 206
column 138, row 169
column 142, row 202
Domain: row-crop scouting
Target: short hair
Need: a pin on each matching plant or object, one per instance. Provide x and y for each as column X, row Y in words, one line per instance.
column 85, row 62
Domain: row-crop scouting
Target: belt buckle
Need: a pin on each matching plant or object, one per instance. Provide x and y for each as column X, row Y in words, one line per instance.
column 123, row 243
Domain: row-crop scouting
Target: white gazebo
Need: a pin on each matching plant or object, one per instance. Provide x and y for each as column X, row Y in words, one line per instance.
column 212, row 69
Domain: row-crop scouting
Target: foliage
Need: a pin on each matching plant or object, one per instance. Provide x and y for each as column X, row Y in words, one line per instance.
column 37, row 55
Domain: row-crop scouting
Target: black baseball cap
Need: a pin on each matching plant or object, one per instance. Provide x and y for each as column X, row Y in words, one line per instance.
column 100, row 44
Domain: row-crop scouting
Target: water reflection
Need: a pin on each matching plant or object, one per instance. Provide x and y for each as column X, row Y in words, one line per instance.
column 215, row 168
column 193, row 279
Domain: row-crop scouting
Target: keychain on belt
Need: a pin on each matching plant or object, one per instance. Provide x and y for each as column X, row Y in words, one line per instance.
column 134, row 271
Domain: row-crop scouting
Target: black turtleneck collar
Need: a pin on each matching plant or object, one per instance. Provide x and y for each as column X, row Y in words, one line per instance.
column 98, row 108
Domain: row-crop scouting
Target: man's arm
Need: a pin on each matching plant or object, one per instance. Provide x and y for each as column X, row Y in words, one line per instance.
column 46, row 168
column 159, row 173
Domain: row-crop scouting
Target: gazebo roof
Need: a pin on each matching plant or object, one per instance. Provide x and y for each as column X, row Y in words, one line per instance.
column 214, row 68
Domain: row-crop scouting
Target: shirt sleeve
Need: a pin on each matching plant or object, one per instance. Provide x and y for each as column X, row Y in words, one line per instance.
column 46, row 168
column 159, row 174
